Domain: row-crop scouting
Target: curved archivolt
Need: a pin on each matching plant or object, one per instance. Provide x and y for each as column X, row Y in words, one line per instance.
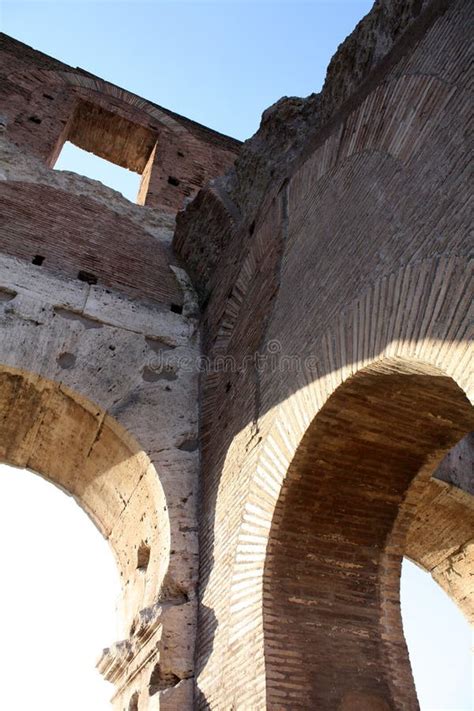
column 331, row 613
column 67, row 439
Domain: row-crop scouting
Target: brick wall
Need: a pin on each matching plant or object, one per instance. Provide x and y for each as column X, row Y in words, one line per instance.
column 355, row 254
column 78, row 237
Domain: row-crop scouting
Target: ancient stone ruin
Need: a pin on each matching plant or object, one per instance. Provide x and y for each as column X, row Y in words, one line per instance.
column 256, row 379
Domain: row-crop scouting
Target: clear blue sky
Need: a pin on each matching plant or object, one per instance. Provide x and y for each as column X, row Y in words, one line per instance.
column 222, row 63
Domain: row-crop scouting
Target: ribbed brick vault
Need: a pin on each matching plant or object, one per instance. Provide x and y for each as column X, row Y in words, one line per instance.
column 332, row 627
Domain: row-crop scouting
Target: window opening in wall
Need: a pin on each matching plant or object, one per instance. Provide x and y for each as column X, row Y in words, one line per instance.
column 60, row 586
column 79, row 161
column 439, row 642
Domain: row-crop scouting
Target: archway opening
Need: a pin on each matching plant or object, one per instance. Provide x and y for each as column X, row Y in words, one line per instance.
column 439, row 641
column 47, row 428
column 57, row 601
column 333, row 634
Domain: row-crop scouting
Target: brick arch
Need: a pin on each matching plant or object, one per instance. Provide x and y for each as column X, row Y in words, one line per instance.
column 73, row 443
column 175, row 156
column 95, row 86
column 373, row 329
column 408, row 99
column 99, row 87
column 331, row 577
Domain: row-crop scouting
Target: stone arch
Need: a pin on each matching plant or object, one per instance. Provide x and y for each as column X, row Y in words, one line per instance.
column 126, row 368
column 70, row 441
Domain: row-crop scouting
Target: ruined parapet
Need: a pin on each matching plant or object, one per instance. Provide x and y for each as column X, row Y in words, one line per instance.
column 47, row 103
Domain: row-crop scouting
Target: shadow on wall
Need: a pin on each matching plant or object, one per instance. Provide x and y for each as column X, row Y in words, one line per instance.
column 414, row 333
column 341, row 245
column 207, row 624
column 332, row 569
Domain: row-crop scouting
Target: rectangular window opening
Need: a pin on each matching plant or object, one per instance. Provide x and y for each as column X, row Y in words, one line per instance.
column 107, row 147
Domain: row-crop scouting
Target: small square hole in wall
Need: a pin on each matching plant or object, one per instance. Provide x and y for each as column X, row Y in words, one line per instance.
column 79, row 161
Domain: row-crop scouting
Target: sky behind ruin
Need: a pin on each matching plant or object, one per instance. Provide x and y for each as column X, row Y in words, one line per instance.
column 220, row 63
